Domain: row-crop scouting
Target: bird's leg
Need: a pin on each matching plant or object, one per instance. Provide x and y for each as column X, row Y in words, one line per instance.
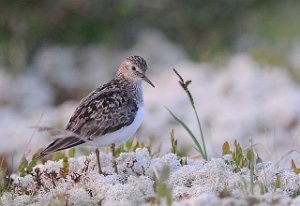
column 98, row 161
column 114, row 157
column 113, row 147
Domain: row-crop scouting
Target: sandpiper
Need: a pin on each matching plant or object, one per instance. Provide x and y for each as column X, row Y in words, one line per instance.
column 109, row 115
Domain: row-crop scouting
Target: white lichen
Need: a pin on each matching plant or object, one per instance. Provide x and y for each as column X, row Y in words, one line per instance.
column 213, row 182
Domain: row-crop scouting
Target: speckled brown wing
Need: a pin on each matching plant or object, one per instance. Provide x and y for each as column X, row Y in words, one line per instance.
column 103, row 111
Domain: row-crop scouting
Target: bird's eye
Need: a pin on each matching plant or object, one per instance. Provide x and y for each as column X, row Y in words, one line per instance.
column 133, row 68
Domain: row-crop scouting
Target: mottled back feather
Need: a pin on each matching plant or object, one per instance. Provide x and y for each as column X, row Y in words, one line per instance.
column 105, row 110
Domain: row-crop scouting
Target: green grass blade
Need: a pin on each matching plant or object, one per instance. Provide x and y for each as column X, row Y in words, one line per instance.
column 199, row 148
column 201, row 131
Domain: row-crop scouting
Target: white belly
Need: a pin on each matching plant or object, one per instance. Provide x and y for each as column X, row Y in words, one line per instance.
column 122, row 134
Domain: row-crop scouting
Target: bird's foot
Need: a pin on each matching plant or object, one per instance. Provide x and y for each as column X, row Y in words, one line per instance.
column 115, row 166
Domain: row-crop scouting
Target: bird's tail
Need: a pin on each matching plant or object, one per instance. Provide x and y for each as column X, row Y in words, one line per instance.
column 61, row 143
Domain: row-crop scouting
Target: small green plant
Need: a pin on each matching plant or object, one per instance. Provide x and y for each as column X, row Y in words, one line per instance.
column 72, row 152
column 297, row 171
column 23, row 166
column 58, row 155
column 5, row 181
column 226, row 149
column 250, row 157
column 174, row 149
column 26, row 167
column 294, row 167
column 33, row 161
column 161, row 188
column 200, row 147
column 174, row 143
column 241, row 160
column 65, row 168
column 277, row 182
column 238, row 156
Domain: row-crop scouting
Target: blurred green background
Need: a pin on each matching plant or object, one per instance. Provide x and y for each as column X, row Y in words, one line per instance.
column 205, row 29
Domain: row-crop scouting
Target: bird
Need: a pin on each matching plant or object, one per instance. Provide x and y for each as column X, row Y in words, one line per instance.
column 109, row 115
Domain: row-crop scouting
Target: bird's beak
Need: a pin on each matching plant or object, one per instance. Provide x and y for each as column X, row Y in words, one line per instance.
column 147, row 80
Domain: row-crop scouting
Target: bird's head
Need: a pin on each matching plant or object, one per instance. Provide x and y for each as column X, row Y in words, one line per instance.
column 133, row 68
